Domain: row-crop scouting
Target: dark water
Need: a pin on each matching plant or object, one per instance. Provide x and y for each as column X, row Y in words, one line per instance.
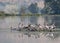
column 6, row 36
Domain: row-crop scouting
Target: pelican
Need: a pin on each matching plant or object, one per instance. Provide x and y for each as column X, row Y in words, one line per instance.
column 47, row 27
column 13, row 28
column 41, row 27
column 37, row 26
column 52, row 26
column 31, row 27
column 20, row 26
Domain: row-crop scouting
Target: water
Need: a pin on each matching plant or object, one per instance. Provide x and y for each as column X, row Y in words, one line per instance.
column 8, row 36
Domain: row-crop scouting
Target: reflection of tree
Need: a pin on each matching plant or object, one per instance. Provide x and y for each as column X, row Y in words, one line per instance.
column 49, row 19
column 33, row 19
column 22, row 19
column 56, row 19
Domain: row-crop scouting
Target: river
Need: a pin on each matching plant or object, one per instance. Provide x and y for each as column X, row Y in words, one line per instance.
column 6, row 36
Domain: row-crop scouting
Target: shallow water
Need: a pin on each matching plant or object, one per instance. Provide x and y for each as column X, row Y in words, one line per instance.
column 8, row 36
column 29, row 37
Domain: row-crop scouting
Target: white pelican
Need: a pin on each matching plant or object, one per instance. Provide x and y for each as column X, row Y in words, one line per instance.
column 41, row 27
column 13, row 28
column 52, row 26
column 20, row 26
column 32, row 25
column 47, row 27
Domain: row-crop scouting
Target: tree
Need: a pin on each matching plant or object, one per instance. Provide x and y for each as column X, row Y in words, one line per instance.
column 52, row 6
column 33, row 8
column 11, row 9
column 22, row 10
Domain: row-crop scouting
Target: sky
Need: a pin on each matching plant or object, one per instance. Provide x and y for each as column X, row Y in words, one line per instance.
column 18, row 3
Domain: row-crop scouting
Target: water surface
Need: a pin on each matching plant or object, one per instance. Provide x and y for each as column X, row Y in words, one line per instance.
column 6, row 36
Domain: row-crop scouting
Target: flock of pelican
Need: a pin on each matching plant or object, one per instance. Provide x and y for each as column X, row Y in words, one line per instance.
column 36, row 27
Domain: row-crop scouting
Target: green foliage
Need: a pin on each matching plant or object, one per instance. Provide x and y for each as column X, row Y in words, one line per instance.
column 33, row 8
column 52, row 6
